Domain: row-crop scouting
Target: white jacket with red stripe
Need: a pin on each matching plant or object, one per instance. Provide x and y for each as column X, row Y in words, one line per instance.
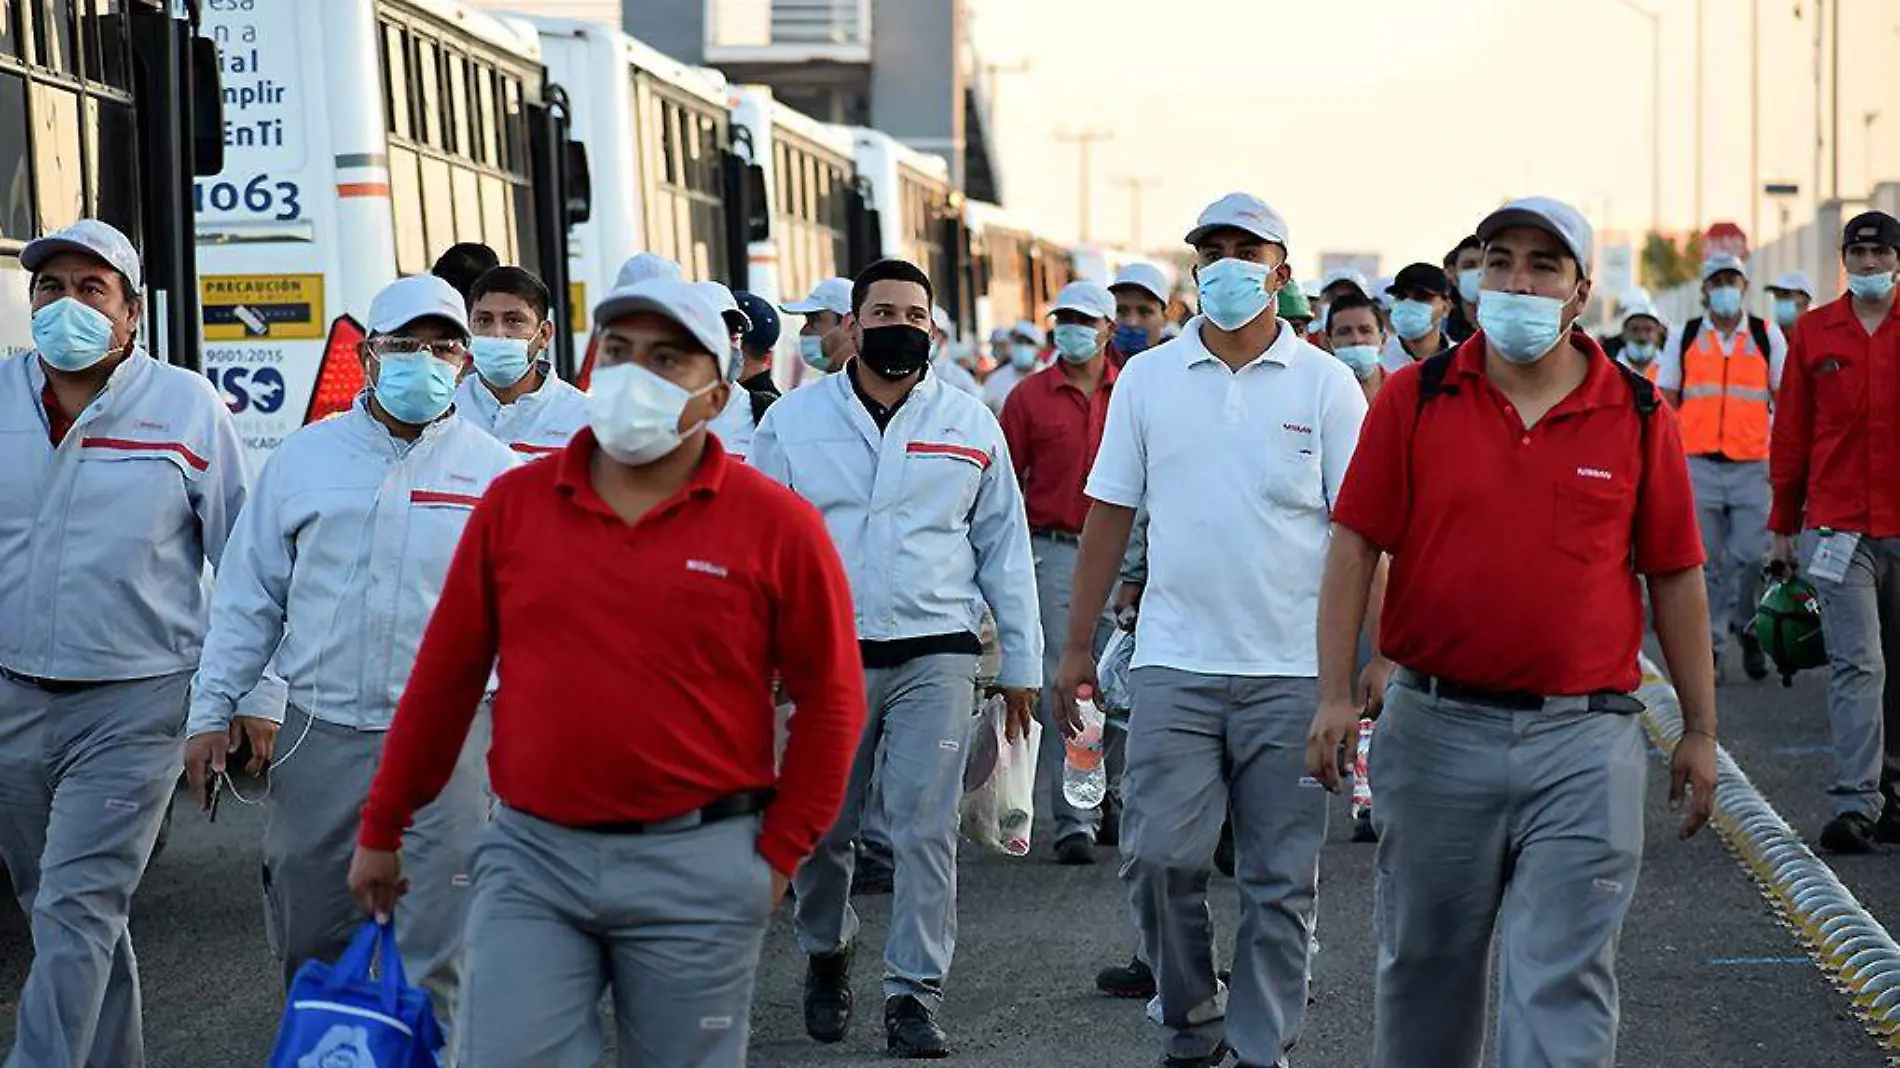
column 927, row 513
column 104, row 539
column 538, row 424
column 337, row 563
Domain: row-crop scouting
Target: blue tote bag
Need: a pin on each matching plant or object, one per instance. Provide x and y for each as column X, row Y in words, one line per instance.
column 339, row 1016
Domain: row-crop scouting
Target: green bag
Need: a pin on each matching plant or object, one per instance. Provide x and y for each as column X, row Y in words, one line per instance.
column 1788, row 625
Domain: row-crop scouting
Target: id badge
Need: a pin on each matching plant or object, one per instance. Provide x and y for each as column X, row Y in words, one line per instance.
column 1832, row 555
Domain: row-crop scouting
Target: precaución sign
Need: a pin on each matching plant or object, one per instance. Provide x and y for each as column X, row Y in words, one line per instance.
column 253, row 307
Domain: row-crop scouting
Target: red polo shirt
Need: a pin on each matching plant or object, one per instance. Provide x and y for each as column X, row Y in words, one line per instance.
column 57, row 421
column 636, row 661
column 1834, row 459
column 1512, row 549
column 1053, row 430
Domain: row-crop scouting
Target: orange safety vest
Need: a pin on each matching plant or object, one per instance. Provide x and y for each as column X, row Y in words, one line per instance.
column 1725, row 397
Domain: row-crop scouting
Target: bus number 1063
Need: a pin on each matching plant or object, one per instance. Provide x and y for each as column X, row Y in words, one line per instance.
column 258, row 196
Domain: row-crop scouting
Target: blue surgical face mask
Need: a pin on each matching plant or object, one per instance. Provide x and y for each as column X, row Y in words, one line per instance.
column 1641, row 354
column 1725, row 301
column 1363, row 359
column 1023, row 355
column 811, row 349
column 1786, row 311
column 1132, row 339
column 501, row 361
column 415, row 388
column 71, row 335
column 1234, row 292
column 1872, row 288
column 1412, row 319
column 1469, row 281
column 1076, row 343
column 1522, row 327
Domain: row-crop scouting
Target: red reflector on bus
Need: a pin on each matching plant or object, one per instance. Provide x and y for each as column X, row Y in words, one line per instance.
column 586, row 376
column 340, row 378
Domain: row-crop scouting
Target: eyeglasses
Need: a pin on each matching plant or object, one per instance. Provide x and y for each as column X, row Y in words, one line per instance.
column 453, row 351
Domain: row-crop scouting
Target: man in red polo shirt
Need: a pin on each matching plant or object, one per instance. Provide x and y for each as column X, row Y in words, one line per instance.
column 644, row 834
column 1053, row 423
column 1834, row 464
column 1520, row 483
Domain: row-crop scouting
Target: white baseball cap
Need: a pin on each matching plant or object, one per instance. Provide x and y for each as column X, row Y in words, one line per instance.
column 683, row 302
column 1793, row 282
column 1085, row 298
column 1640, row 309
column 1309, row 289
column 1242, row 211
column 941, row 320
column 1027, row 331
column 1550, row 215
column 1144, row 276
column 999, row 336
column 1345, row 274
column 91, row 237
column 1723, row 261
column 832, row 295
column 728, row 305
column 419, row 296
column 643, row 266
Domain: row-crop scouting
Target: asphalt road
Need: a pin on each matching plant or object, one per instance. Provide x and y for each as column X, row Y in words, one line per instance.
column 1708, row 977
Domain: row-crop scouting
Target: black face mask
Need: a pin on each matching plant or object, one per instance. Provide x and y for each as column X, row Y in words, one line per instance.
column 895, row 352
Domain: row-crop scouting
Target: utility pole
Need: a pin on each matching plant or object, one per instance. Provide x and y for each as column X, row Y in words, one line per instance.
column 1867, row 121
column 1135, row 187
column 990, row 73
column 1084, row 140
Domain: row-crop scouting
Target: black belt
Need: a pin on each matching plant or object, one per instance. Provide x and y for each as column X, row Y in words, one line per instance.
column 54, row 686
column 1510, row 700
column 1057, row 535
column 746, row 804
column 1722, row 458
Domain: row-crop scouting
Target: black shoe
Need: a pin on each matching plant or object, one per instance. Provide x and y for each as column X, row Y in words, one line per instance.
column 1074, row 850
column 1754, row 662
column 1109, row 834
column 873, row 875
column 911, row 1030
column 828, row 996
column 1133, row 980
column 1849, row 832
column 1362, row 829
column 1212, row 1060
column 1224, row 852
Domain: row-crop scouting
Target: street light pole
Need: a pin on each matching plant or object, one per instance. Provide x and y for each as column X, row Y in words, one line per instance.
column 1135, row 188
column 1867, row 121
column 1084, row 140
column 1655, row 112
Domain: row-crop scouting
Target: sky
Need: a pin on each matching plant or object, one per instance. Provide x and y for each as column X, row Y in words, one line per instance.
column 1391, row 126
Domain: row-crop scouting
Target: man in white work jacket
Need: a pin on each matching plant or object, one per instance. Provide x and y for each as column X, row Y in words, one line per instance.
column 512, row 391
column 334, row 569
column 915, row 484
column 121, row 477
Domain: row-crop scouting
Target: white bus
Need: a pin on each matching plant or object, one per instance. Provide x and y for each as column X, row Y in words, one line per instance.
column 919, row 216
column 87, row 132
column 363, row 138
column 666, row 180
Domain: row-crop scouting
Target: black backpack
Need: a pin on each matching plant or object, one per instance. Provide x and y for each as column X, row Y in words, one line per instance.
column 1431, row 383
column 1757, row 329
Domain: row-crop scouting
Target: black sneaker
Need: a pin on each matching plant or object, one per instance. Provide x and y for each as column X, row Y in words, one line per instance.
column 1109, row 834
column 1849, row 832
column 1133, row 980
column 1211, row 1060
column 1224, row 852
column 1074, row 850
column 1754, row 661
column 828, row 995
column 911, row 1030
column 1362, row 829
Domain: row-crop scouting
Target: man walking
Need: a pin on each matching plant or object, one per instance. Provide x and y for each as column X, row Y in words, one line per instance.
column 1234, row 437
column 1519, row 484
column 514, row 393
column 914, row 481
column 647, row 858
column 1836, row 471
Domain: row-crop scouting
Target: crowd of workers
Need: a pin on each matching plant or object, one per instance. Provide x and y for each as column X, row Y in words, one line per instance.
column 513, row 660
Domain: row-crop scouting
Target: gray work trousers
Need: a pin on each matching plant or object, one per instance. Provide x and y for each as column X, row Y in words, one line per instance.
column 1732, row 507
column 672, row 921
column 311, row 820
column 921, row 713
column 1860, row 616
column 1529, row 824
column 85, row 779
column 1055, row 585
column 1195, row 744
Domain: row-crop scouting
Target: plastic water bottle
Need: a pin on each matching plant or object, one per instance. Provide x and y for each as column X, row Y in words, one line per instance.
column 1084, row 780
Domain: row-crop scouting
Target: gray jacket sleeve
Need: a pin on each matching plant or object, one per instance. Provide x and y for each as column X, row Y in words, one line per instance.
column 1135, row 559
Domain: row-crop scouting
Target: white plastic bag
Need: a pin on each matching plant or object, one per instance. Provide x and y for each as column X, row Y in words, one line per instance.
column 998, row 811
column 1113, row 671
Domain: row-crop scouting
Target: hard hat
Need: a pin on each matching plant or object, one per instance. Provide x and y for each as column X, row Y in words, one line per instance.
column 1788, row 625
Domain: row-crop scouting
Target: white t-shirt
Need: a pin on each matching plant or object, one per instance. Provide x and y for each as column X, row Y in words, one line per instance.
column 1238, row 472
column 1669, row 363
column 997, row 387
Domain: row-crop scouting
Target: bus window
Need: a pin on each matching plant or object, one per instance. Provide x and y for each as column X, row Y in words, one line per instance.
column 468, row 205
column 58, row 36
column 10, row 41
column 495, row 215
column 396, row 98
column 438, row 208
column 429, row 81
column 56, row 172
column 16, row 172
column 486, row 120
column 455, row 72
column 405, row 197
column 113, row 140
column 110, row 52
